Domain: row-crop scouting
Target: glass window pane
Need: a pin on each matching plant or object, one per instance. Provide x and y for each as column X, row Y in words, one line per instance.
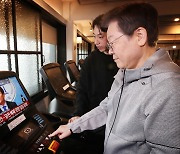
column 49, row 33
column 49, row 52
column 80, row 45
column 28, row 28
column 29, row 66
column 28, row 39
column 6, row 31
column 7, row 62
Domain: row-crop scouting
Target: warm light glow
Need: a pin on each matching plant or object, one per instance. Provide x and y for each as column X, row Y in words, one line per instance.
column 174, row 46
column 79, row 39
column 4, row 1
column 91, row 30
column 176, row 19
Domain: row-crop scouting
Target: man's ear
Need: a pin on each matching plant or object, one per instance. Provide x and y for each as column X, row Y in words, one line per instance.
column 141, row 35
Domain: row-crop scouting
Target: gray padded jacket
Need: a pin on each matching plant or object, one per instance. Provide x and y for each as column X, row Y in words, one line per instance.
column 142, row 110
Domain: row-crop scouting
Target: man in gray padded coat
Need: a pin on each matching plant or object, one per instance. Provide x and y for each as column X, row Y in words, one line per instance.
column 142, row 110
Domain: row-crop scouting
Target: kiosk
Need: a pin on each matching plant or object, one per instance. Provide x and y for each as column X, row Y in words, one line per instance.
column 22, row 128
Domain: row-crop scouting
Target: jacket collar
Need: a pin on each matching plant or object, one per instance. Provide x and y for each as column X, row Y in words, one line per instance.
column 159, row 62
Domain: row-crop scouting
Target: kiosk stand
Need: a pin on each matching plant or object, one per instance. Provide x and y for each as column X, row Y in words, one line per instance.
column 22, row 128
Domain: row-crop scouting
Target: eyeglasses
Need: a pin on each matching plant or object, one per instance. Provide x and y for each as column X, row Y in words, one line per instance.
column 110, row 44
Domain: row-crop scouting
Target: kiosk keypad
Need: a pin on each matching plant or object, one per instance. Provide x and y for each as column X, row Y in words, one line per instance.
column 44, row 144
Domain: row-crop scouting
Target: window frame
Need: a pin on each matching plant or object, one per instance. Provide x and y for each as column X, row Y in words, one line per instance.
column 86, row 44
column 61, row 42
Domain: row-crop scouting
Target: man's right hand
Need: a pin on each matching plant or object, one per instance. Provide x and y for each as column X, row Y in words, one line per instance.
column 62, row 132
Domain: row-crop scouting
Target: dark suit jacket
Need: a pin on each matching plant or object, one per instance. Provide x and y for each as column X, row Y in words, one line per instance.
column 10, row 105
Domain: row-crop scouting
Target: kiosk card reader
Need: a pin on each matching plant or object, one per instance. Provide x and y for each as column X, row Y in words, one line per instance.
column 22, row 128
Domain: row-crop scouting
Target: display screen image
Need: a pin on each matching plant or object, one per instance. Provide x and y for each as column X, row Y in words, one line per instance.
column 13, row 100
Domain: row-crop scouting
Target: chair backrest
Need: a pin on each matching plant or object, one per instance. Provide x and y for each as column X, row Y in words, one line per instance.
column 51, row 91
column 73, row 70
column 54, row 78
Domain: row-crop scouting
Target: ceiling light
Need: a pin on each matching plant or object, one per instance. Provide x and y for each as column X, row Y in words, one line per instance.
column 79, row 40
column 174, row 46
column 176, row 19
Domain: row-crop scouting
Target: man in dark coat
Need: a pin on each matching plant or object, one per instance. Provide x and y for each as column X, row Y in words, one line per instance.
column 96, row 77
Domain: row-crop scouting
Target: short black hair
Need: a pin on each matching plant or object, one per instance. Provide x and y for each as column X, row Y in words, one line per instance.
column 135, row 15
column 98, row 22
column 1, row 90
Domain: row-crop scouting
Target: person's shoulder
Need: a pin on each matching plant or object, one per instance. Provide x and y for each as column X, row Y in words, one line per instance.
column 10, row 103
column 99, row 55
column 94, row 54
column 169, row 85
column 172, row 82
column 96, row 57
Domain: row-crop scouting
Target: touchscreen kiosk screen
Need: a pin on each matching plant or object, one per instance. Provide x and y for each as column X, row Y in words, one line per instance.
column 12, row 99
